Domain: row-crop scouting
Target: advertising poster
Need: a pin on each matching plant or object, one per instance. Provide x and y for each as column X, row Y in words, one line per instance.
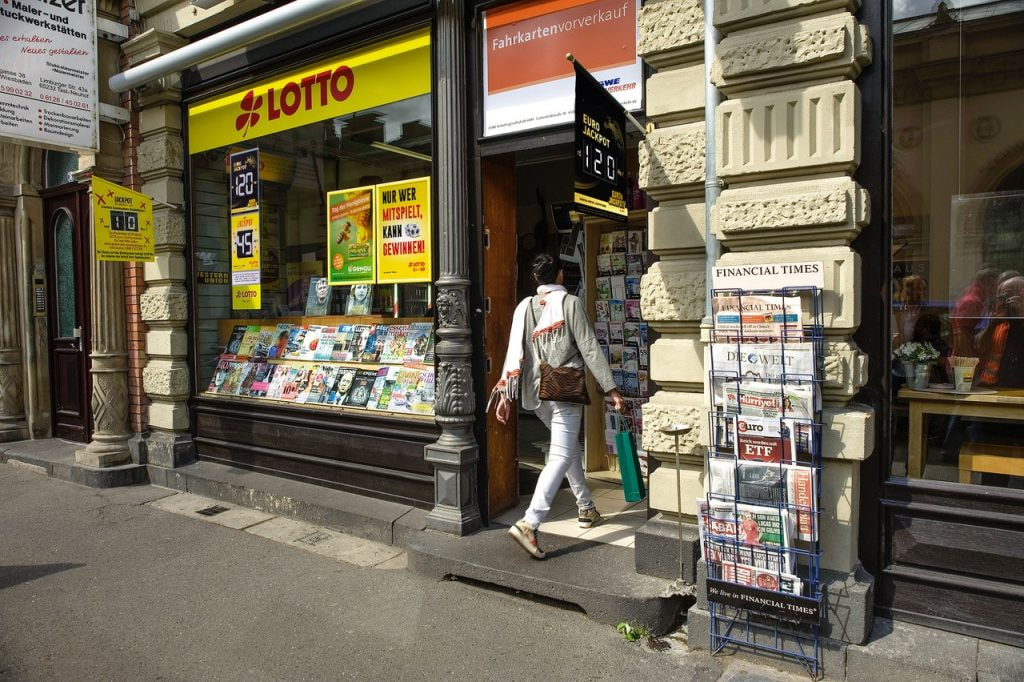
column 244, row 174
column 600, row 183
column 245, row 261
column 122, row 223
column 350, row 250
column 403, row 232
column 48, row 80
column 527, row 81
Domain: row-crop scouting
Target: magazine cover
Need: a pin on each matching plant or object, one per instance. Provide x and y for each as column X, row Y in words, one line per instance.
column 618, row 287
column 403, row 390
column 605, row 243
column 616, row 350
column 220, row 375
column 314, row 380
column 763, row 318
column 645, row 386
column 617, row 311
column 619, row 241
column 603, row 288
column 417, row 342
column 261, row 379
column 761, row 439
column 761, row 578
column 634, row 265
column 635, row 241
column 247, row 346
column 617, row 376
column 318, row 300
column 602, row 310
column 601, row 332
column 342, row 384
column 633, row 287
column 363, row 340
column 760, row 399
column 616, row 332
column 234, row 340
column 423, row 400
column 327, row 376
column 394, row 344
column 310, row 342
column 279, row 344
column 295, row 382
column 231, row 384
column 278, row 375
column 362, row 384
column 630, row 358
column 722, row 540
column 633, row 310
column 604, row 264
column 631, row 333
column 630, row 383
column 248, row 377
column 298, row 335
column 264, row 341
column 764, row 361
column 383, row 385
column 618, row 261
column 343, row 337
column 360, row 300
column 325, row 349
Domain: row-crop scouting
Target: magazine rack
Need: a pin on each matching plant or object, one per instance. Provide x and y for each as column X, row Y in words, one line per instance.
column 760, row 516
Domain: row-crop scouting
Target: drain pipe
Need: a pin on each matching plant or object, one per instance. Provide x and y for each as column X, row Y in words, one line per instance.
column 712, row 186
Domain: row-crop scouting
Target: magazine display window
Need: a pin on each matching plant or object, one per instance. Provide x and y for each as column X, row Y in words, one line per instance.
column 313, row 269
column 760, row 516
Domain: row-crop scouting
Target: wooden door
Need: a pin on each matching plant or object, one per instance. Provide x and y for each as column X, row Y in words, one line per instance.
column 67, row 269
column 499, row 209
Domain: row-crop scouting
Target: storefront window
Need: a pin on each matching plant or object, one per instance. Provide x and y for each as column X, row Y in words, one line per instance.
column 312, row 235
column 958, row 241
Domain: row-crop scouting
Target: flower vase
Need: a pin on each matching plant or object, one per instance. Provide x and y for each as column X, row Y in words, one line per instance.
column 908, row 372
column 922, row 371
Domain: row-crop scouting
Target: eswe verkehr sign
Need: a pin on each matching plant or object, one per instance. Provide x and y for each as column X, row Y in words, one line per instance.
column 48, row 73
column 527, row 81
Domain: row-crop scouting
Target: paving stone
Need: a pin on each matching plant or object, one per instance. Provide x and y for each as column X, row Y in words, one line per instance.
column 912, row 653
column 999, row 662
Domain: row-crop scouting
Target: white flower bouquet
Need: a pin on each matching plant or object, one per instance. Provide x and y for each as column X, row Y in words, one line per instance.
column 916, row 352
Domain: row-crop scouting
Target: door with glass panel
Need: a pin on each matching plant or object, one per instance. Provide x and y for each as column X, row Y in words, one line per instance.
column 66, row 216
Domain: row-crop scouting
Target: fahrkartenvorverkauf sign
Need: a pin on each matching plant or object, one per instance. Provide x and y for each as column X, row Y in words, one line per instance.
column 527, row 81
column 48, row 73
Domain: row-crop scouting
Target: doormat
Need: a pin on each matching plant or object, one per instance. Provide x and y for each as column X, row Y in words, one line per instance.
column 213, row 511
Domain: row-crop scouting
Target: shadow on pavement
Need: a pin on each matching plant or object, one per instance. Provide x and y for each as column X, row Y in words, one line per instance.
column 14, row 575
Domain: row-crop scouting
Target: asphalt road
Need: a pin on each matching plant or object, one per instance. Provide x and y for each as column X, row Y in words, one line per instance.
column 95, row 585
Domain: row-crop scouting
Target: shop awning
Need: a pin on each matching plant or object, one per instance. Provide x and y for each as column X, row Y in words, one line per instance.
column 288, row 17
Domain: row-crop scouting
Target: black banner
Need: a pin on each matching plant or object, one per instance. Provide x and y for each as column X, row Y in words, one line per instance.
column 600, row 186
column 778, row 604
column 245, row 180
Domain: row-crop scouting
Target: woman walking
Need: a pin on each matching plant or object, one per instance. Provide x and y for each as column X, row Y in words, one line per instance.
column 552, row 336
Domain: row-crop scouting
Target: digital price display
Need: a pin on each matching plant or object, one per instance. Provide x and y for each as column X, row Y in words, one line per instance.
column 600, row 186
column 245, row 180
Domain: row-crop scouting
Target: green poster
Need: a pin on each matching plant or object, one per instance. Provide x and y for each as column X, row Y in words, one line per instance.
column 350, row 230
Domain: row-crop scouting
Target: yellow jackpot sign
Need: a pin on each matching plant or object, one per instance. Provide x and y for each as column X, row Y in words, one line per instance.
column 394, row 70
column 122, row 223
column 245, row 261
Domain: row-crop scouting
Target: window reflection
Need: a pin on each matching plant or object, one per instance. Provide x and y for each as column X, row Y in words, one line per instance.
column 958, row 241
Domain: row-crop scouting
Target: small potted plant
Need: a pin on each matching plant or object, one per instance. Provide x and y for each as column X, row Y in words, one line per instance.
column 917, row 359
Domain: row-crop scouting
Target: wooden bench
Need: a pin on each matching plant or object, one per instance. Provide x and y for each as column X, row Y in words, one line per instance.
column 990, row 459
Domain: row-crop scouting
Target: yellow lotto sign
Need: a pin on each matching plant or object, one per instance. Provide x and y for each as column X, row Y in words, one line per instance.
column 245, row 261
column 122, row 223
column 390, row 71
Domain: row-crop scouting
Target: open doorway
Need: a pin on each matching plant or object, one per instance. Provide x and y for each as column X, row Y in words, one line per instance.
column 527, row 206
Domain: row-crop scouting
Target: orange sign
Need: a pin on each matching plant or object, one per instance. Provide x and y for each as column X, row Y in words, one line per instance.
column 527, row 41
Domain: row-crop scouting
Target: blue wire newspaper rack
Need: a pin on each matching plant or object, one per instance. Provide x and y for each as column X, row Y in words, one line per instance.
column 760, row 516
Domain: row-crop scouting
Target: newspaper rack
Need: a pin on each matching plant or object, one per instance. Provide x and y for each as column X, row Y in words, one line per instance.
column 760, row 515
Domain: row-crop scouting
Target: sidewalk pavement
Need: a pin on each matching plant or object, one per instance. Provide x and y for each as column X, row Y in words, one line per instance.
column 132, row 583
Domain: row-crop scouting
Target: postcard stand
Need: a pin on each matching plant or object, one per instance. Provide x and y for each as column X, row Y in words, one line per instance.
column 760, row 515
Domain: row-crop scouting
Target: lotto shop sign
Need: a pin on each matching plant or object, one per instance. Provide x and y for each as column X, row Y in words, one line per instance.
column 386, row 72
column 403, row 232
column 245, row 261
column 122, row 223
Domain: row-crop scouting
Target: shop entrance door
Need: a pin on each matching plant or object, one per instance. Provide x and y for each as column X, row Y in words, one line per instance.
column 67, row 270
column 500, row 266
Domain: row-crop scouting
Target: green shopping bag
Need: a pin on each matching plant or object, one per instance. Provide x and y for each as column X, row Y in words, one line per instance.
column 629, row 467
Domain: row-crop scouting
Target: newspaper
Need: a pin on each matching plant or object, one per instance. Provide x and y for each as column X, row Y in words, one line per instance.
column 761, row 399
column 764, row 361
column 728, row 549
column 766, row 531
column 789, row 485
column 761, row 578
column 756, row 317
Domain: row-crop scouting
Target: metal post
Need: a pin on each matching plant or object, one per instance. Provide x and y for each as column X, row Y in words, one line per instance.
column 676, row 430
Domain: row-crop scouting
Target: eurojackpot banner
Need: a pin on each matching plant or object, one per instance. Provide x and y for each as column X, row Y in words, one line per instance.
column 386, row 72
column 527, row 81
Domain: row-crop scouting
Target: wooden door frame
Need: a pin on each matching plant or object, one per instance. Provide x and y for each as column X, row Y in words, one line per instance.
column 83, row 248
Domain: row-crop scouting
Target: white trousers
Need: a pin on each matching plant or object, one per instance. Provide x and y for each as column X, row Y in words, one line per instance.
column 565, row 458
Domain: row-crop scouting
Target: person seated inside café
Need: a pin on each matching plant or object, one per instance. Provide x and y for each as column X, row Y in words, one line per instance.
column 1002, row 341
